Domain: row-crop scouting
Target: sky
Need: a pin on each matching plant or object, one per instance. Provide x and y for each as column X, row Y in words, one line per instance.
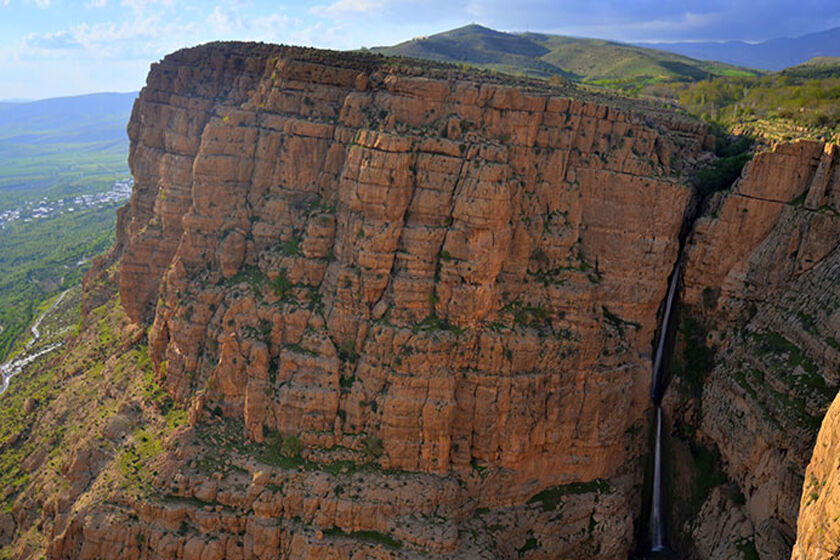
column 51, row 48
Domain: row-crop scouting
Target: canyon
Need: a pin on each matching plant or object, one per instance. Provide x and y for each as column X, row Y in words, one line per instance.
column 371, row 307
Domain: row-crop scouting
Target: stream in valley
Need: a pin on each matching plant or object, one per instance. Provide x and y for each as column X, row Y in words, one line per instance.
column 14, row 366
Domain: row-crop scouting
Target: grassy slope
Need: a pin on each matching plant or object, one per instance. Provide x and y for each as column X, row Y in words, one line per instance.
column 541, row 55
column 39, row 258
column 609, row 63
column 479, row 46
column 43, row 428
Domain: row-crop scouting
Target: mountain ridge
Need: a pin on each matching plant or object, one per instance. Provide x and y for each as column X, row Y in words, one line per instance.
column 772, row 54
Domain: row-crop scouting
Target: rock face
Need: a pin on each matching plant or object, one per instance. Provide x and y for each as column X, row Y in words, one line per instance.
column 454, row 278
column 818, row 530
column 761, row 293
column 399, row 311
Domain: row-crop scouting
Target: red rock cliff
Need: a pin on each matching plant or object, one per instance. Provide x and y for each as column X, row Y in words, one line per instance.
column 465, row 274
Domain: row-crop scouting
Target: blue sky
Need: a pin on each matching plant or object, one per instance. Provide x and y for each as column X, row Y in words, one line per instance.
column 50, row 48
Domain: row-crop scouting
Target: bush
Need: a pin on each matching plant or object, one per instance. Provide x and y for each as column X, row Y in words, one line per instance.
column 721, row 174
column 733, row 153
column 281, row 285
column 292, row 446
column 373, row 447
column 347, row 351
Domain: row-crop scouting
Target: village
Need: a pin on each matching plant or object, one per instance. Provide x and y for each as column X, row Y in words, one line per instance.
column 44, row 208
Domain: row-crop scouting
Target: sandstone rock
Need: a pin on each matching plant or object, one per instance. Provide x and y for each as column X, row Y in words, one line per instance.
column 432, row 273
column 817, row 528
column 760, row 280
column 402, row 305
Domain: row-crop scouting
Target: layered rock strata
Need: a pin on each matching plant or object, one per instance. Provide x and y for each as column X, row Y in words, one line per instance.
column 761, row 293
column 458, row 279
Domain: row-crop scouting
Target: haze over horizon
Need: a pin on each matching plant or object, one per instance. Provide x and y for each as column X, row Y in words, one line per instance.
column 55, row 48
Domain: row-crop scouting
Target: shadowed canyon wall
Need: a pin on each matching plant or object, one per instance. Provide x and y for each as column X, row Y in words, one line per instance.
column 757, row 358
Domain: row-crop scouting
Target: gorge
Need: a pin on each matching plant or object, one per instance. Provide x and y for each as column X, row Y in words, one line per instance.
column 371, row 307
column 657, row 388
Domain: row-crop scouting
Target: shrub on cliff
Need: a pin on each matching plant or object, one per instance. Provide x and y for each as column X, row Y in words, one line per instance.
column 292, row 446
column 733, row 153
column 281, row 285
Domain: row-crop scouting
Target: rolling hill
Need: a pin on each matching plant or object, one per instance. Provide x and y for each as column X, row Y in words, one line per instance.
column 815, row 69
column 542, row 55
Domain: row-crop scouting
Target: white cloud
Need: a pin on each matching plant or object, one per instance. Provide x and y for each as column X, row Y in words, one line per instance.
column 346, row 7
column 149, row 35
column 60, row 40
column 141, row 38
column 224, row 21
column 686, row 21
column 141, row 6
column 275, row 21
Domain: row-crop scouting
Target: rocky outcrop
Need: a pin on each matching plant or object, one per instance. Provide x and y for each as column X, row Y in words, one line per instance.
column 761, row 292
column 818, row 530
column 454, row 280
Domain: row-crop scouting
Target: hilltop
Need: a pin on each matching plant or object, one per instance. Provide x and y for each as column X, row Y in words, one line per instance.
column 595, row 61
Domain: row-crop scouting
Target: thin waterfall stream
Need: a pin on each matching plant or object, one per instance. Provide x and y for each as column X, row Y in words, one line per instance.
column 657, row 540
column 657, row 389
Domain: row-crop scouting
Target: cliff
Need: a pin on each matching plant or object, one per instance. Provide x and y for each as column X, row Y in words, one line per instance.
column 449, row 270
column 757, row 360
column 370, row 307
column 818, row 530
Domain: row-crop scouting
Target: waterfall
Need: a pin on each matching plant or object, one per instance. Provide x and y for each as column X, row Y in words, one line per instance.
column 656, row 382
column 657, row 523
column 657, row 526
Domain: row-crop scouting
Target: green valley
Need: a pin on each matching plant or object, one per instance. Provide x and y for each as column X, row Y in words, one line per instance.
column 63, row 172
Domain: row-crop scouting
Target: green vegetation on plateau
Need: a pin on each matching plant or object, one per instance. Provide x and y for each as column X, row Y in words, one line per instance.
column 799, row 102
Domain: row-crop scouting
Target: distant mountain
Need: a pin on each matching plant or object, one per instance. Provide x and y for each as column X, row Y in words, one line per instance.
column 774, row 54
column 480, row 46
column 61, row 142
column 82, row 118
column 542, row 55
